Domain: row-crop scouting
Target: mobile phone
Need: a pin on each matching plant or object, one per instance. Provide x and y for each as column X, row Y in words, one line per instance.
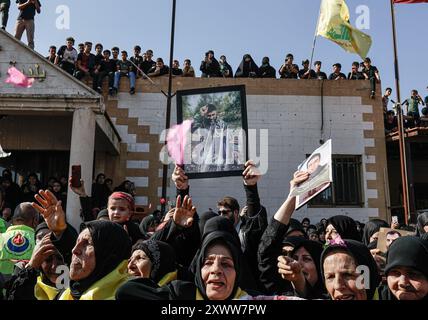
column 287, row 250
column 76, row 176
column 394, row 219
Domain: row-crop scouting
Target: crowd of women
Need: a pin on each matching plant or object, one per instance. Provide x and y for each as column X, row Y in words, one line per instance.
column 224, row 255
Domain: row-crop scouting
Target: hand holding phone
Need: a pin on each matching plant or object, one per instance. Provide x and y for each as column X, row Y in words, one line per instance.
column 76, row 176
column 394, row 219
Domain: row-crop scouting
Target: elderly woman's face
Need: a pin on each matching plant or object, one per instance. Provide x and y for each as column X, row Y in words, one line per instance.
column 218, row 272
column 407, row 283
column 118, row 210
column 308, row 265
column 83, row 261
column 341, row 277
column 331, row 233
column 139, row 265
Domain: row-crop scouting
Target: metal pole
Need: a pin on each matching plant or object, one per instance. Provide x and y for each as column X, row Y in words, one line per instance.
column 315, row 41
column 401, row 130
column 168, row 104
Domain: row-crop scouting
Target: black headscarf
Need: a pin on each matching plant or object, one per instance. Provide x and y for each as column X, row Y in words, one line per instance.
column 161, row 255
column 220, row 223
column 122, row 187
column 229, row 241
column 295, row 225
column 320, row 227
column 203, row 219
column 345, row 226
column 245, row 68
column 362, row 257
column 422, row 222
column 112, row 246
column 215, row 224
column 371, row 228
column 103, row 214
column 314, row 249
column 145, row 224
column 411, row 252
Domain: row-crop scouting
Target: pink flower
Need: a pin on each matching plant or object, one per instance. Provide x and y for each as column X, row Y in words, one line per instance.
column 338, row 241
column 18, row 79
column 177, row 140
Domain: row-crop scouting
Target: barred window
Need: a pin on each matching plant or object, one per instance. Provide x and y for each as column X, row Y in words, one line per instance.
column 346, row 189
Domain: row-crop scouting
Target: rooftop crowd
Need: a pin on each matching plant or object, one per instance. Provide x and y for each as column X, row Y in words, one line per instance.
column 105, row 64
column 234, row 252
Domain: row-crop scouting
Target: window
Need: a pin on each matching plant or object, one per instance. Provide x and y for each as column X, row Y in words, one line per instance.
column 346, row 189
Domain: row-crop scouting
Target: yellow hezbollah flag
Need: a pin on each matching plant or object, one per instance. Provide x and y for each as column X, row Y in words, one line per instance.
column 334, row 25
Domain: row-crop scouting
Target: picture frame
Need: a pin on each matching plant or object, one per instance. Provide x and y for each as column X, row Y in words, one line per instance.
column 219, row 141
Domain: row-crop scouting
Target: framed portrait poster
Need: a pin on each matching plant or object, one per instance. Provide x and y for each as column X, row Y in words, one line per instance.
column 218, row 143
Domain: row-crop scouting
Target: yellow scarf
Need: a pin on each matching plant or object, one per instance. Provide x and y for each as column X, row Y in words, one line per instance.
column 44, row 292
column 167, row 279
column 239, row 294
column 104, row 289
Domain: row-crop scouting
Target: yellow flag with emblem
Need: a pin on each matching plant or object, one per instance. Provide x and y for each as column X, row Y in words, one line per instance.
column 334, row 25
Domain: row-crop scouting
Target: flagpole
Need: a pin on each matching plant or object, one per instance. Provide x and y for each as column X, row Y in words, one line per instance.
column 168, row 107
column 315, row 40
column 401, row 129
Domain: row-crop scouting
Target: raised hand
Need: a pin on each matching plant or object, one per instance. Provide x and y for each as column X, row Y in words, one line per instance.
column 79, row 191
column 51, row 210
column 43, row 250
column 298, row 178
column 180, row 179
column 184, row 212
column 251, row 174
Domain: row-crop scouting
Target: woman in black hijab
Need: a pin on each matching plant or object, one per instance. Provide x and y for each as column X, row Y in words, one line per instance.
column 217, row 277
column 339, row 264
column 100, row 192
column 407, row 270
column 266, row 70
column 248, row 68
column 422, row 224
column 371, row 230
column 155, row 260
column 107, row 246
column 223, row 224
column 343, row 226
column 148, row 226
column 295, row 229
column 308, row 282
column 125, row 186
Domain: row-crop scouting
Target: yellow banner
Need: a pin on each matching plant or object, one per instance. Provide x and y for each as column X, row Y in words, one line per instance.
column 334, row 25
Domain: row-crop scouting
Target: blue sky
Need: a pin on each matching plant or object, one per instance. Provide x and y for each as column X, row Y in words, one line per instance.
column 262, row 28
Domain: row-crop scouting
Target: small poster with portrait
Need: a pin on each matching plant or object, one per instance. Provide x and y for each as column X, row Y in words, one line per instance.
column 319, row 167
column 387, row 236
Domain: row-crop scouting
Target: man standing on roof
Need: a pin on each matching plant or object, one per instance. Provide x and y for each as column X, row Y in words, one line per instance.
column 27, row 11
